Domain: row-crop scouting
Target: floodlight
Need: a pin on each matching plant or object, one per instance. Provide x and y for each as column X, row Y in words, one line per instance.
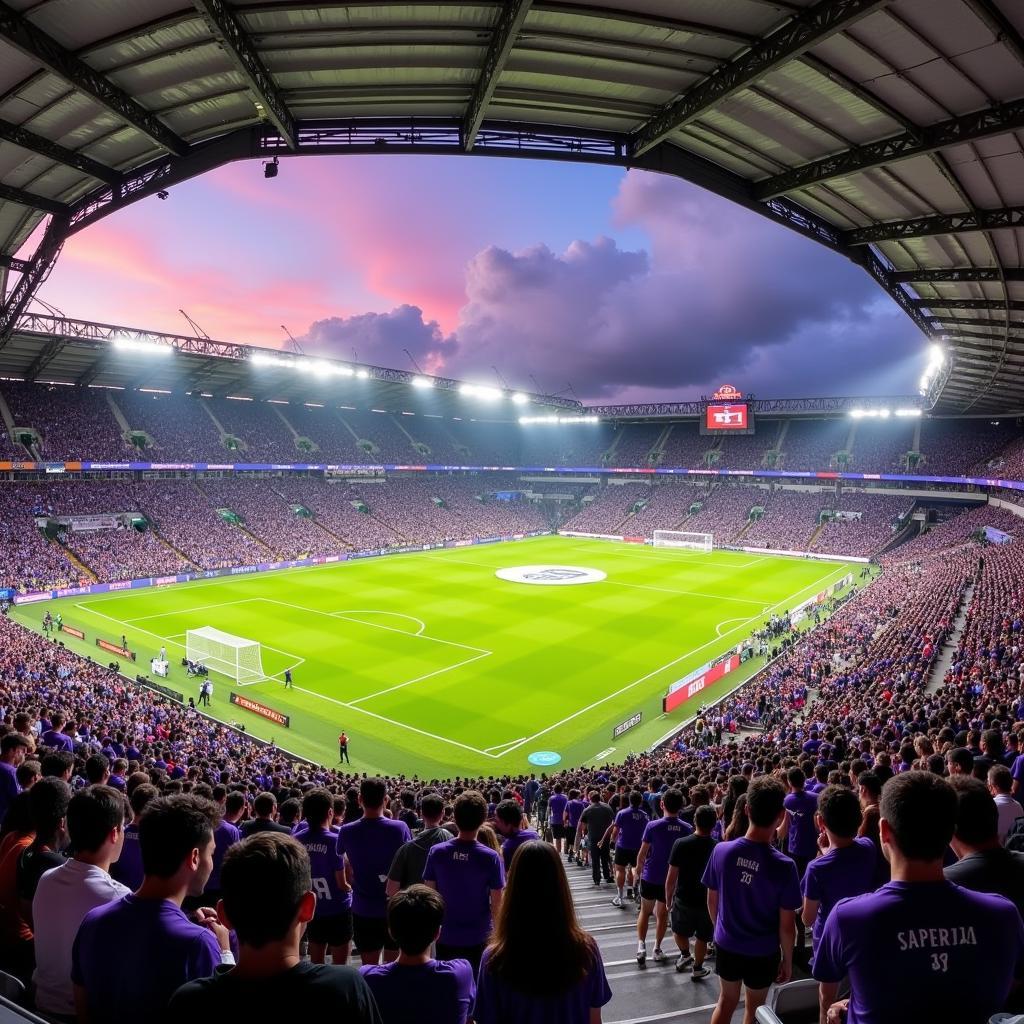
column 422, row 382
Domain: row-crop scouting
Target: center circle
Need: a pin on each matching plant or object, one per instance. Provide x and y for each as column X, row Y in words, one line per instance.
column 551, row 575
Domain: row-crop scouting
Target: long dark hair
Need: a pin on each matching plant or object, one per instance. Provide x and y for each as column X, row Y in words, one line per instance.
column 537, row 926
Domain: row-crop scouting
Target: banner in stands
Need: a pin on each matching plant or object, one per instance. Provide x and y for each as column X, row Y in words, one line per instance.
column 683, row 689
column 260, row 709
column 71, row 631
column 628, row 724
column 160, row 688
column 994, row 536
column 121, row 652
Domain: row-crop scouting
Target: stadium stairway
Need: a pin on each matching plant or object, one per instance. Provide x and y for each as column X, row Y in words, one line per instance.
column 653, row 994
column 82, row 568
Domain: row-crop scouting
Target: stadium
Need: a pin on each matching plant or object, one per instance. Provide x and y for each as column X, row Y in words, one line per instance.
column 236, row 577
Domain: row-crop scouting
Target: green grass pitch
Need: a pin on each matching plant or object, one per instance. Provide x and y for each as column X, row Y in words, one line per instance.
column 435, row 667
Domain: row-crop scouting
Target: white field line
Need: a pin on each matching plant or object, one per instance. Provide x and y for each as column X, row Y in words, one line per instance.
column 725, row 622
column 675, row 661
column 186, row 611
column 643, row 553
column 346, row 612
column 174, row 643
column 501, row 746
column 686, row 593
column 419, row 679
column 391, row 721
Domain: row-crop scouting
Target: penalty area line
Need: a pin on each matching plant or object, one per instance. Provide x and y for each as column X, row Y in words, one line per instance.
column 419, row 679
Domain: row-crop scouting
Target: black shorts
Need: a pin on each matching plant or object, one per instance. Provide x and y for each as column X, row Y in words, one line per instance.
column 335, row 930
column 692, row 921
column 625, row 858
column 559, row 831
column 652, row 891
column 756, row 972
column 372, row 933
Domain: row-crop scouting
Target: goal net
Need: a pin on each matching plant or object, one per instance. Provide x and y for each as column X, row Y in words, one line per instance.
column 680, row 539
column 222, row 652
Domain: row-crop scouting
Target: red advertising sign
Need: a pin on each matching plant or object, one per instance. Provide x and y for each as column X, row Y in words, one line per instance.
column 121, row 652
column 726, row 417
column 260, row 709
column 691, row 687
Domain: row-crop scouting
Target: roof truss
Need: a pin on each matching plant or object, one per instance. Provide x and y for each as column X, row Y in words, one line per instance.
column 29, row 140
column 958, row 275
column 941, row 224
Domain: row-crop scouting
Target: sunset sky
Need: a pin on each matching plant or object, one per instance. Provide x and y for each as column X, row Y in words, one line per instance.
column 628, row 285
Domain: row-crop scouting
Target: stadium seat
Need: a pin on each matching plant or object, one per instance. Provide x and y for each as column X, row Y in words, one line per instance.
column 11, row 1013
column 1007, row 1018
column 793, row 1003
column 11, row 987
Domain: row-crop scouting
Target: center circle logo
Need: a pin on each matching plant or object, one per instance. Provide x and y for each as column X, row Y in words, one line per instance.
column 550, row 575
column 544, row 758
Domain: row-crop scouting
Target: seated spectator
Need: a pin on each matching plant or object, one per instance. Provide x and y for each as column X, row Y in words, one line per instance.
column 470, row 877
column 416, row 982
column 96, row 818
column 137, row 951
column 920, row 948
column 407, row 867
column 537, row 925
column 267, row 899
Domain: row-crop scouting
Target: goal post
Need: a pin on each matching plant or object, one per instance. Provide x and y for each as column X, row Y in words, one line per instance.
column 681, row 539
column 230, row 655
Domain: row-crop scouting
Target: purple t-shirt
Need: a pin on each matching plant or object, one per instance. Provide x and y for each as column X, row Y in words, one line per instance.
column 498, row 1002
column 324, row 862
column 631, row 825
column 754, row 882
column 922, row 951
column 509, row 847
column 848, row 871
column 465, row 872
column 370, row 845
column 127, row 869
column 225, row 835
column 445, row 989
column 131, row 955
column 556, row 808
column 9, row 787
column 802, row 839
column 662, row 834
column 575, row 809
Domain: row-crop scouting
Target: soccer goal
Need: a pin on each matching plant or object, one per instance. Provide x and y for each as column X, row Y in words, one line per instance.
column 681, row 539
column 222, row 652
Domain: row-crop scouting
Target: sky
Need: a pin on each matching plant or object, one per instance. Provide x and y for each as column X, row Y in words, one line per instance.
column 609, row 285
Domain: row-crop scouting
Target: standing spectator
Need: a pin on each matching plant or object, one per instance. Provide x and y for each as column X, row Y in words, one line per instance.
column 96, row 818
column 343, row 748
column 848, row 865
column 267, row 900
column 659, row 837
column 508, row 820
column 920, row 948
column 595, row 821
column 1009, row 809
column 158, row 947
column 49, row 802
column 407, row 867
column 331, row 927
column 686, row 895
column 369, row 846
column 556, row 815
column 537, row 925
column 415, row 982
column 753, row 891
column 470, row 877
column 13, row 749
column 265, row 810
column 627, row 835
column 127, row 869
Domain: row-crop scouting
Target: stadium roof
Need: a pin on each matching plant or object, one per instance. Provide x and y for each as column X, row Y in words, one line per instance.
column 888, row 130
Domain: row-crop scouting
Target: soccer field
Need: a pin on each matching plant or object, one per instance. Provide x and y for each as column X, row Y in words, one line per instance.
column 435, row 666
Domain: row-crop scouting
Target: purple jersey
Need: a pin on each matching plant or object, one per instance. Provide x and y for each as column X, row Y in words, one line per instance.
column 575, row 809
column 754, row 882
column 848, row 871
column 465, row 872
column 509, row 847
column 127, row 869
column 370, row 845
column 556, row 808
column 631, row 825
column 802, row 838
column 922, row 951
column 225, row 835
column 662, row 834
column 403, row 991
column 324, row 862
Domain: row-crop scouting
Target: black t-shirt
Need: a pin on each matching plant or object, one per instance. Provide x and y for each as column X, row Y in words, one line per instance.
column 411, row 858
column 691, row 855
column 996, row 871
column 306, row 988
column 598, row 819
column 32, row 865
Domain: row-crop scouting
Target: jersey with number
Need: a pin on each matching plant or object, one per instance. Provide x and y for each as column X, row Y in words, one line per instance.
column 922, row 951
column 324, row 861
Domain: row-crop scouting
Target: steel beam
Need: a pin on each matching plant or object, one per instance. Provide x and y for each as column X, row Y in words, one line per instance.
column 995, row 120
column 29, row 140
column 47, row 354
column 13, row 263
column 956, row 321
column 35, row 43
column 957, row 275
column 802, row 32
column 1012, row 304
column 39, row 266
column 225, row 25
column 31, row 200
column 503, row 39
column 940, row 224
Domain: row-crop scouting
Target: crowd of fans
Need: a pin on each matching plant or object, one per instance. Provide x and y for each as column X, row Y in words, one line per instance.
column 838, row 770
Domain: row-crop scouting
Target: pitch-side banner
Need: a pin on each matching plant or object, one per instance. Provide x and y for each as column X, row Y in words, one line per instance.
column 689, row 686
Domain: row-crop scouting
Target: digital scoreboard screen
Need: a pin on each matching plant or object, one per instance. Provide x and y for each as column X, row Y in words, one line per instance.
column 726, row 411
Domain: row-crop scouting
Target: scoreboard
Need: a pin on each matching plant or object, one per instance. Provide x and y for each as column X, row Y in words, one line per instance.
column 726, row 412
